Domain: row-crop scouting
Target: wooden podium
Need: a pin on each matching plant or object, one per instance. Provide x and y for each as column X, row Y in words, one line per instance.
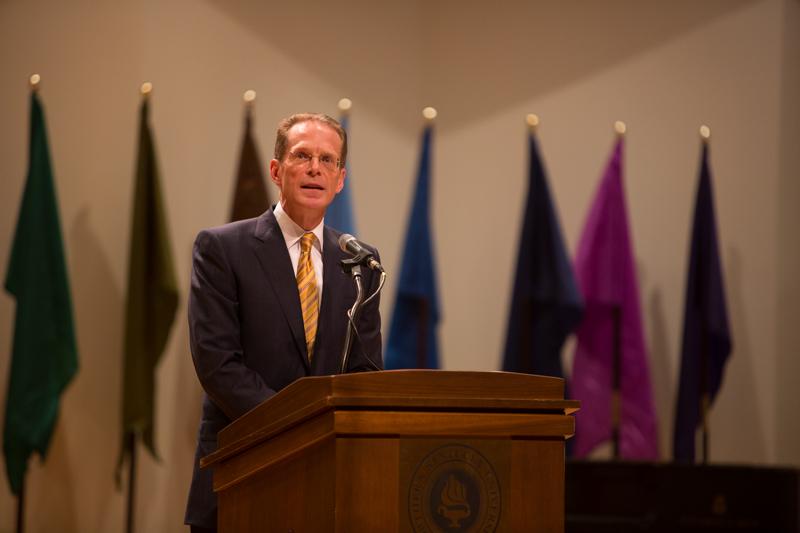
column 405, row 450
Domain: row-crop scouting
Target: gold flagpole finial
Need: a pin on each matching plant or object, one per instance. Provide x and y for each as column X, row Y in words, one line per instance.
column 34, row 82
column 249, row 98
column 345, row 104
column 146, row 89
column 705, row 133
column 429, row 113
column 620, row 128
column 532, row 120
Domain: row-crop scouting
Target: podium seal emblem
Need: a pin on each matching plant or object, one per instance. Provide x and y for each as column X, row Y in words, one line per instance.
column 454, row 489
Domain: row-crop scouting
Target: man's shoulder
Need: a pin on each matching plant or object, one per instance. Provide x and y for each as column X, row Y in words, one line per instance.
column 232, row 228
column 239, row 228
column 332, row 232
column 332, row 235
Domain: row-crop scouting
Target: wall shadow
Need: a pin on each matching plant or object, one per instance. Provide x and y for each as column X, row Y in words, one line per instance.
column 54, row 475
column 512, row 52
column 187, row 395
column 660, row 374
column 738, row 415
column 787, row 366
column 453, row 54
column 369, row 51
column 81, row 458
column 99, row 305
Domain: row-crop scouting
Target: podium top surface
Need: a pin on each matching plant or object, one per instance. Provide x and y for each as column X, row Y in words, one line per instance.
column 397, row 390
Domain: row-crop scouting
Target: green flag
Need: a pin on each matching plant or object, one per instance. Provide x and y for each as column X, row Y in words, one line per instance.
column 152, row 295
column 45, row 356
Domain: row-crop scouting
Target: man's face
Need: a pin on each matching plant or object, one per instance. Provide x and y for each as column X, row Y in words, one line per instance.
column 309, row 175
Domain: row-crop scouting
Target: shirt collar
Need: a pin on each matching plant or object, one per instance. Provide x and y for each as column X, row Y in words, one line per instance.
column 292, row 231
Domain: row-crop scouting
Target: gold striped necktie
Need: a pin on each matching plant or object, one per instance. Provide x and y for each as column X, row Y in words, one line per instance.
column 307, row 287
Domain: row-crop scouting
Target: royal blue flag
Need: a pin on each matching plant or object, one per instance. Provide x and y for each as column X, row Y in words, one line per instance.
column 413, row 341
column 340, row 213
column 706, row 336
column 546, row 305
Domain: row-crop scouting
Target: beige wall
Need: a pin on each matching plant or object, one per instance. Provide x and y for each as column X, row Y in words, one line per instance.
column 733, row 65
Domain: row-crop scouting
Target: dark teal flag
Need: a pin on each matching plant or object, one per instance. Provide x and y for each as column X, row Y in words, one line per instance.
column 706, row 335
column 412, row 337
column 340, row 213
column 44, row 356
column 545, row 305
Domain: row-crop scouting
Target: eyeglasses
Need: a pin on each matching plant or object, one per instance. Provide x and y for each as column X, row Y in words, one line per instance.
column 326, row 161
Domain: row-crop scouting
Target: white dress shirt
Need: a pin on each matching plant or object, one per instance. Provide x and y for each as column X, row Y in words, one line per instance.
column 292, row 234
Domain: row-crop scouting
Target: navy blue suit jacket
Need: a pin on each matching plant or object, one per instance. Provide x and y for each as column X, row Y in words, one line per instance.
column 246, row 330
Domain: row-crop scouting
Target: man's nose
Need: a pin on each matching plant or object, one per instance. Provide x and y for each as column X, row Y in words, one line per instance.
column 313, row 165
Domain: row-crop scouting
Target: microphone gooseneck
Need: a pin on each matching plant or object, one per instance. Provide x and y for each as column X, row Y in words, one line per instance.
column 362, row 255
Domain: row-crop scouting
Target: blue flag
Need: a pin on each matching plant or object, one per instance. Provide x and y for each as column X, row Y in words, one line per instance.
column 412, row 337
column 546, row 305
column 340, row 213
column 706, row 336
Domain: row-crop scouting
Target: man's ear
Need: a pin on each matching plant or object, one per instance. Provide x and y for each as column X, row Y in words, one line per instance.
column 274, row 166
column 340, row 182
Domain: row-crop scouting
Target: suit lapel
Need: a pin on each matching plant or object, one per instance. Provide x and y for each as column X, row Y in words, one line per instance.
column 270, row 249
column 334, row 286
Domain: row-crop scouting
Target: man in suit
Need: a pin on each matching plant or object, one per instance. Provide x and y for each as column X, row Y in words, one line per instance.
column 268, row 298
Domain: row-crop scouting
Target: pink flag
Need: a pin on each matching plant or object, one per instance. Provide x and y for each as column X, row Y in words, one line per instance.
column 611, row 324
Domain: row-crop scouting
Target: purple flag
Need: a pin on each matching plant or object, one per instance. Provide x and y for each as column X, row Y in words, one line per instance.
column 611, row 325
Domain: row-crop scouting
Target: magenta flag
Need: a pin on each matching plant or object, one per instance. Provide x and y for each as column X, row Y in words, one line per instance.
column 612, row 324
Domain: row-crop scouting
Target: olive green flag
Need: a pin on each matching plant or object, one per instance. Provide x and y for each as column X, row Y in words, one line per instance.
column 44, row 355
column 152, row 296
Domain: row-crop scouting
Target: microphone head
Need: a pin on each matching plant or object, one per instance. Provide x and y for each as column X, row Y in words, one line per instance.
column 345, row 238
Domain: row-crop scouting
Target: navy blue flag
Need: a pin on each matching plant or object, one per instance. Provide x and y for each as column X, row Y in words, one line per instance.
column 546, row 305
column 706, row 336
column 340, row 213
column 412, row 337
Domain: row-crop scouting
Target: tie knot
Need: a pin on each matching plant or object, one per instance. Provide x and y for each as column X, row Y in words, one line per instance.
column 306, row 242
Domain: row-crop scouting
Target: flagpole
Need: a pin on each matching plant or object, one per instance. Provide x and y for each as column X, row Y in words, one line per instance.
column 705, row 398
column 344, row 105
column 21, row 507
column 422, row 334
column 423, row 310
column 249, row 98
column 131, row 445
column 33, row 81
column 616, row 400
column 616, row 354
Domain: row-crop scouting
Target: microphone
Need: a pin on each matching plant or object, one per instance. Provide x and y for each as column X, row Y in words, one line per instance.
column 362, row 254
